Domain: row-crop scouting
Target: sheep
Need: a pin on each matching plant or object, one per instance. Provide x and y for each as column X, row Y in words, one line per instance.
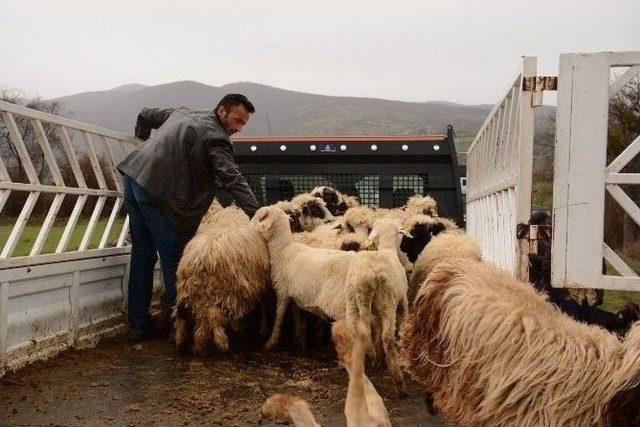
column 346, row 242
column 223, row 274
column 285, row 408
column 493, row 351
column 422, row 228
column 294, row 211
column 441, row 247
column 337, row 203
column 424, row 205
column 318, row 280
column 314, row 211
column 363, row 406
column 377, row 281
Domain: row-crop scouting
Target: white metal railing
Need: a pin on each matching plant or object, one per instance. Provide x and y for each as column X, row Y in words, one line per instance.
column 499, row 176
column 581, row 173
column 74, row 137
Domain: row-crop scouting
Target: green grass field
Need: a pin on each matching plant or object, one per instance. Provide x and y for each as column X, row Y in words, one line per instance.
column 31, row 230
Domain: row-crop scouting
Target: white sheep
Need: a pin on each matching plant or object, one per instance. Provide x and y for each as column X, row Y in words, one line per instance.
column 337, row 202
column 317, row 280
column 222, row 276
column 314, row 211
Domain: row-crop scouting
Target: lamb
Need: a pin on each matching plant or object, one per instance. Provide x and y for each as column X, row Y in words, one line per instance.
column 337, row 203
column 493, row 351
column 424, row 205
column 363, row 406
column 285, row 408
column 294, row 211
column 441, row 247
column 317, row 280
column 314, row 211
column 377, row 281
column 222, row 276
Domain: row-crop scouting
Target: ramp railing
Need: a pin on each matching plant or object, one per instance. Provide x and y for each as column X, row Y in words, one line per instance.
column 499, row 175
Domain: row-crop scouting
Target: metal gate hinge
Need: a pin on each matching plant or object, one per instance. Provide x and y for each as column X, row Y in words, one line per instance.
column 537, row 84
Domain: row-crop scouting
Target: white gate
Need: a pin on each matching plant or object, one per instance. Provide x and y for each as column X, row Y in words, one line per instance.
column 68, row 296
column 581, row 174
column 499, row 175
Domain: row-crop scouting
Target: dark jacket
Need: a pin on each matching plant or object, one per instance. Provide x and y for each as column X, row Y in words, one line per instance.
column 183, row 163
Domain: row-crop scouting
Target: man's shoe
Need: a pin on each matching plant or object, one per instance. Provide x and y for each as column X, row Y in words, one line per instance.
column 144, row 332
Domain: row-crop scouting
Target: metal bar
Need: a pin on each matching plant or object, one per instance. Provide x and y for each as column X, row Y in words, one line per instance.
column 110, row 162
column 19, row 186
column 93, row 158
column 71, row 155
column 123, row 232
column 71, row 224
column 74, row 124
column 12, row 241
column 18, row 143
column 74, row 302
column 95, row 216
column 625, row 157
column 622, row 178
column 46, row 225
column 4, row 196
column 616, row 262
column 515, row 82
column 45, row 145
column 51, row 260
column 613, row 283
column 509, row 182
column 107, row 230
column 621, row 81
column 4, row 173
column 624, row 201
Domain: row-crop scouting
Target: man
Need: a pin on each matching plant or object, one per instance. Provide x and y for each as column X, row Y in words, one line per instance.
column 169, row 183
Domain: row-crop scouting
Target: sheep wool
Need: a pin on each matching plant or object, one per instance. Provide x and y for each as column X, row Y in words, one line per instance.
column 222, row 275
column 493, row 351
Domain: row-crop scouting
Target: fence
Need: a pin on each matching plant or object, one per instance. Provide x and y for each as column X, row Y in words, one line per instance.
column 581, row 173
column 499, row 176
column 69, row 296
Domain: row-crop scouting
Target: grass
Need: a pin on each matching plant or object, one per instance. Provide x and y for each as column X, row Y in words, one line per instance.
column 615, row 300
column 31, row 230
column 542, row 195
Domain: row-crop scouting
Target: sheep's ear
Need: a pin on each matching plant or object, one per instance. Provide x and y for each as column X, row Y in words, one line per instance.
column 261, row 215
column 373, row 235
column 339, row 226
column 404, row 232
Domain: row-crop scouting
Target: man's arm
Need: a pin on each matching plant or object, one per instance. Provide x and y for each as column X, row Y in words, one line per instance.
column 229, row 176
column 151, row 118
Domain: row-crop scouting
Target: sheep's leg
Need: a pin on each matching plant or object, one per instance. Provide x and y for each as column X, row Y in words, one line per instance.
column 364, row 297
column 401, row 313
column 376, row 349
column 201, row 334
column 351, row 312
column 181, row 317
column 388, row 317
column 216, row 322
column 300, row 327
column 264, row 321
column 281, row 308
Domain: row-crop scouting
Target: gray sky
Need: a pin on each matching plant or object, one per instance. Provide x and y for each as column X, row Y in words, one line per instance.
column 460, row 51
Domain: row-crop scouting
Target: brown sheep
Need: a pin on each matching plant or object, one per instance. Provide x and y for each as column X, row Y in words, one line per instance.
column 493, row 351
column 222, row 276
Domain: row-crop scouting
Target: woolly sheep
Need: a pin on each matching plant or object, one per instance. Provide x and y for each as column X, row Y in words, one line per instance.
column 493, row 351
column 424, row 205
column 441, row 247
column 222, row 276
column 337, row 203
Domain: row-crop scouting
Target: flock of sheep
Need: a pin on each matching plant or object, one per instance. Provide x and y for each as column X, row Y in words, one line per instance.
column 409, row 288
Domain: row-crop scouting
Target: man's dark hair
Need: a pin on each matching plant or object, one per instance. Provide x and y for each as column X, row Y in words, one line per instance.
column 233, row 99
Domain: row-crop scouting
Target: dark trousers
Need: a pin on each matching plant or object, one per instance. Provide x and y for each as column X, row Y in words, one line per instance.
column 151, row 235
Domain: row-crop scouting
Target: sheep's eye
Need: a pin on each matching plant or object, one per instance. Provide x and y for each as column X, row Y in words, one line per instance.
column 350, row 228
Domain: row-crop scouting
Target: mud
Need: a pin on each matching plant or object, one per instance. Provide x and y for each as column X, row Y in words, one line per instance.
column 121, row 383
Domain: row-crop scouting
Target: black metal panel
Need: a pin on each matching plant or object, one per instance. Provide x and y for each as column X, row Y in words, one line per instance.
column 384, row 177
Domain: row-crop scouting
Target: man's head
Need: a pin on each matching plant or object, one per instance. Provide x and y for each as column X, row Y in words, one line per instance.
column 233, row 111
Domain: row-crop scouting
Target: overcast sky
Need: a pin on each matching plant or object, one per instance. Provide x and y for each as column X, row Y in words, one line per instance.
column 460, row 51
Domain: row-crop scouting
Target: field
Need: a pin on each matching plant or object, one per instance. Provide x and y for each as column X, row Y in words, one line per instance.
column 31, row 230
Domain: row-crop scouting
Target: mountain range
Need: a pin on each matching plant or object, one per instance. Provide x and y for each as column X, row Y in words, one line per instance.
column 281, row 112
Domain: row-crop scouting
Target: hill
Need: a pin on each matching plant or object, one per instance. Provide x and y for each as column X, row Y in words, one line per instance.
column 280, row 111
